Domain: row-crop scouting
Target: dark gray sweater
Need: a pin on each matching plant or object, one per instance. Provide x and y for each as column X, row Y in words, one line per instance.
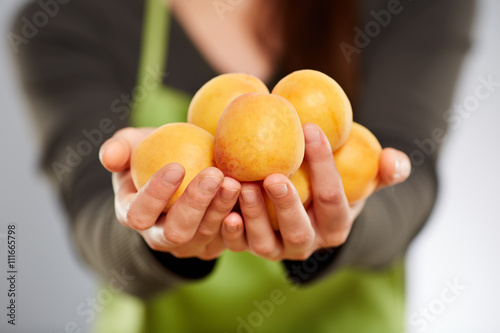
column 80, row 68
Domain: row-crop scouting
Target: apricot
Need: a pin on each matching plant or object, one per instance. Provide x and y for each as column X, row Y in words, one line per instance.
column 358, row 163
column 257, row 135
column 183, row 143
column 303, row 186
column 318, row 99
column 210, row 101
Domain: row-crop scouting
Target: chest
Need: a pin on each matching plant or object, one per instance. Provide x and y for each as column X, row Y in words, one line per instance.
column 225, row 36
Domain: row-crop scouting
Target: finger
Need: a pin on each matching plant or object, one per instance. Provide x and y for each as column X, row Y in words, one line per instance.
column 115, row 153
column 233, row 233
column 205, row 251
column 185, row 215
column 123, row 186
column 207, row 236
column 357, row 207
column 154, row 237
column 261, row 238
column 295, row 227
column 214, row 249
column 144, row 207
column 218, row 209
column 394, row 168
column 124, row 190
column 329, row 201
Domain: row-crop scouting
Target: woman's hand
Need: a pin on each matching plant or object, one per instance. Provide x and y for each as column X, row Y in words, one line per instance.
column 328, row 220
column 191, row 228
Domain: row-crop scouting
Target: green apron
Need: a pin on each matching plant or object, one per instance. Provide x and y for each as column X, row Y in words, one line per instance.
column 245, row 293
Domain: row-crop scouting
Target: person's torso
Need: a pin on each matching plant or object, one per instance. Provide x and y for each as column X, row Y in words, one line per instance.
column 244, row 293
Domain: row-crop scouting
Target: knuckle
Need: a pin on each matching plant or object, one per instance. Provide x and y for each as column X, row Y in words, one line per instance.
column 197, row 201
column 299, row 239
column 221, row 208
column 176, row 238
column 286, row 204
column 337, row 238
column 152, row 192
column 264, row 250
column 132, row 220
column 237, row 248
column 155, row 246
column 206, row 232
column 302, row 256
column 180, row 254
column 210, row 254
column 331, row 196
column 206, row 257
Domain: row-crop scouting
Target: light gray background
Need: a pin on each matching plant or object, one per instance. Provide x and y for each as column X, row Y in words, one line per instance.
column 461, row 240
column 459, row 243
column 51, row 281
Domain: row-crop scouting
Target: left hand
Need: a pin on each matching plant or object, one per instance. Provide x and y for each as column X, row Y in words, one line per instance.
column 328, row 220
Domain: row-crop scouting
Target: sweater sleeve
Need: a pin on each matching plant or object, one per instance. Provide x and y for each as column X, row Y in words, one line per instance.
column 409, row 74
column 79, row 71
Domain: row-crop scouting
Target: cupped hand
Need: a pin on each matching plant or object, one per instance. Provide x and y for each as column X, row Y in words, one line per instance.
column 328, row 220
column 191, row 228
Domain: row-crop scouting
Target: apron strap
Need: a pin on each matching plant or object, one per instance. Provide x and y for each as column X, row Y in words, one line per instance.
column 155, row 39
column 152, row 62
column 154, row 103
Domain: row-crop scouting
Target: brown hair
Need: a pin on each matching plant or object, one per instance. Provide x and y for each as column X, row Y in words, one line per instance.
column 311, row 32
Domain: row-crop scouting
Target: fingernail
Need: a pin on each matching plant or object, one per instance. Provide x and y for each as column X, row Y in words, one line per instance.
column 106, row 146
column 406, row 168
column 312, row 135
column 402, row 167
column 209, row 184
column 172, row 177
column 228, row 194
column 231, row 227
column 249, row 197
column 278, row 190
column 102, row 150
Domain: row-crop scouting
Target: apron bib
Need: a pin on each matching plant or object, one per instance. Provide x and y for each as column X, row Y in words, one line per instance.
column 244, row 293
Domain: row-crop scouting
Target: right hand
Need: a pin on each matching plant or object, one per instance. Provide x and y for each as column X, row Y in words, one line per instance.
column 192, row 226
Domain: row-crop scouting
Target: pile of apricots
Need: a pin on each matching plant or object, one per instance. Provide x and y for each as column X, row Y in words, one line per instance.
column 235, row 124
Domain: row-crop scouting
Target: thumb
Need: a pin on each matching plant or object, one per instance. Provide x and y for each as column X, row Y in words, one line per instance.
column 395, row 167
column 115, row 155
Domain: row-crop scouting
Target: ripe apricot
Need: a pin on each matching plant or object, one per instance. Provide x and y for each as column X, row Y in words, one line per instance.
column 257, row 135
column 318, row 99
column 183, row 143
column 358, row 163
column 303, row 186
column 212, row 98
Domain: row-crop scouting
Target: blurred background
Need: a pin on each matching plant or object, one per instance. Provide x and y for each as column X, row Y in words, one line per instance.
column 452, row 268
